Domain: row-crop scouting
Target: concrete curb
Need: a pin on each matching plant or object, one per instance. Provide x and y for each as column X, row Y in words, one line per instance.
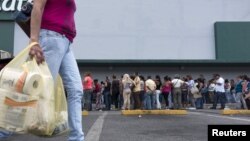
column 153, row 112
column 235, row 112
column 85, row 113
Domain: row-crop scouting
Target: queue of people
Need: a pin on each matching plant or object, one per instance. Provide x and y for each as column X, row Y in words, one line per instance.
column 134, row 92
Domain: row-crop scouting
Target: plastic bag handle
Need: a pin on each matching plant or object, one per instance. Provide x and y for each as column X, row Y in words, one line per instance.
column 32, row 44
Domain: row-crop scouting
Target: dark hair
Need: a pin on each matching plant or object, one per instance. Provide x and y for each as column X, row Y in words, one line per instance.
column 158, row 77
column 189, row 77
column 87, row 74
column 216, row 75
column 185, row 79
column 142, row 78
column 166, row 78
column 226, row 81
column 132, row 77
column 114, row 76
column 245, row 77
column 96, row 80
column 149, row 77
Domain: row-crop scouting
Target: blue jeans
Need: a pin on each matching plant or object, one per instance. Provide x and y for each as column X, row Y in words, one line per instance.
column 219, row 96
column 107, row 99
column 199, row 103
column 149, row 100
column 87, row 100
column 4, row 134
column 230, row 97
column 60, row 59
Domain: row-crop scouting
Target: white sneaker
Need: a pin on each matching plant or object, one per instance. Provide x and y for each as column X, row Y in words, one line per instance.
column 139, row 116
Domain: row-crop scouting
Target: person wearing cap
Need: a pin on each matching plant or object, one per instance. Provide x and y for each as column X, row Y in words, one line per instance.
column 177, row 83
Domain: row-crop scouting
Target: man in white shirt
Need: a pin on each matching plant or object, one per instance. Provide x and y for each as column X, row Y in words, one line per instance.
column 219, row 92
column 177, row 83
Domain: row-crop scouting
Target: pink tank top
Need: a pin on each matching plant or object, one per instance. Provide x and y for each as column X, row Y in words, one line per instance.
column 58, row 16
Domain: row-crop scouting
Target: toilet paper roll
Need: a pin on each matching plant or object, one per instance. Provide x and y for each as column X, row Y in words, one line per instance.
column 33, row 84
column 13, row 79
column 21, row 81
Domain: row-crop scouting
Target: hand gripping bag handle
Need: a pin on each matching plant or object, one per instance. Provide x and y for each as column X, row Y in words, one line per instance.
column 21, row 57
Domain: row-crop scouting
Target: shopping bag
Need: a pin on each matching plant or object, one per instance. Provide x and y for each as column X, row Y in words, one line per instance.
column 30, row 100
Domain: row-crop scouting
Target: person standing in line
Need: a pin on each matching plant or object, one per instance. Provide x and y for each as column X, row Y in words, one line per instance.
column 245, row 90
column 98, row 93
column 191, row 84
column 121, row 101
column 136, row 92
column 102, row 92
column 232, row 90
column 219, row 92
column 239, row 92
column 126, row 84
column 184, row 92
column 158, row 91
column 115, row 91
column 177, row 82
column 211, row 90
column 106, row 93
column 142, row 93
column 227, row 90
column 88, row 91
column 150, row 90
column 53, row 26
column 166, row 90
column 198, row 96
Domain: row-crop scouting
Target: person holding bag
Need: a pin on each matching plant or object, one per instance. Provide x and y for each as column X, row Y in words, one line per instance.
column 53, row 26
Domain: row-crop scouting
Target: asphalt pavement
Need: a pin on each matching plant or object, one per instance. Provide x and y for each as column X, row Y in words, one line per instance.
column 112, row 126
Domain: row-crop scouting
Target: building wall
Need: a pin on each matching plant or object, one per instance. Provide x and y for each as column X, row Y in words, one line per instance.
column 149, row 29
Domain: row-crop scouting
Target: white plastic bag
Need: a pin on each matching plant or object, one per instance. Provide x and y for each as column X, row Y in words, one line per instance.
column 30, row 100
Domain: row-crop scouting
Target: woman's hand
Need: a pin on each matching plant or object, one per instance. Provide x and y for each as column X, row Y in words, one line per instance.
column 36, row 51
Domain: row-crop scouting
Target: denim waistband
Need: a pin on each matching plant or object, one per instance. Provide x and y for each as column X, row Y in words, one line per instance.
column 45, row 32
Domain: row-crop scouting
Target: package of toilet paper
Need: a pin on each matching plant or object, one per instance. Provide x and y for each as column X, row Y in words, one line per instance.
column 30, row 100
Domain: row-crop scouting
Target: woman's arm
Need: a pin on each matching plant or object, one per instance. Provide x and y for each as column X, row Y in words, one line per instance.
column 35, row 26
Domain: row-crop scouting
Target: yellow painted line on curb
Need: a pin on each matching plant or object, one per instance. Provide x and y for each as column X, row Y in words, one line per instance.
column 153, row 112
column 235, row 112
column 85, row 113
